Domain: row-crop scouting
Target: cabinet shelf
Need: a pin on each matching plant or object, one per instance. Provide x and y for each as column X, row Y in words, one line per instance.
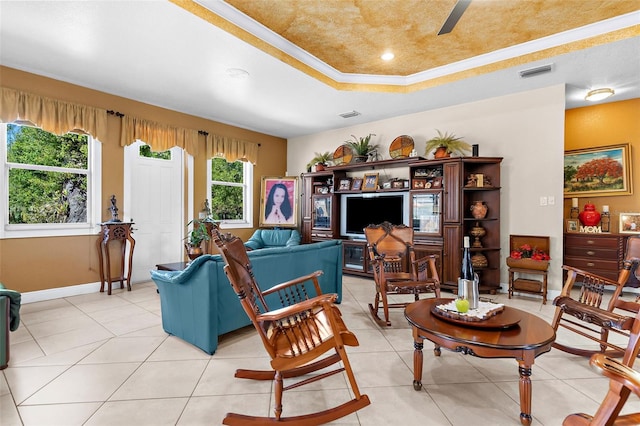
column 480, row 188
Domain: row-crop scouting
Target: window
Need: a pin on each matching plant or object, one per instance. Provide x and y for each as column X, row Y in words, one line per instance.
column 231, row 192
column 51, row 184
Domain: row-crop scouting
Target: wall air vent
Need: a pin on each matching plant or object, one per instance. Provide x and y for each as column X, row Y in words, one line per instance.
column 349, row 114
column 532, row 72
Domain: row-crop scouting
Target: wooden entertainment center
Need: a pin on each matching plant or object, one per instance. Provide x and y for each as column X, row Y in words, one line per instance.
column 441, row 195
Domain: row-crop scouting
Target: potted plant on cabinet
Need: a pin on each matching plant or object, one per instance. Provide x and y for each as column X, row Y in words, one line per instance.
column 445, row 145
column 194, row 239
column 362, row 147
column 321, row 160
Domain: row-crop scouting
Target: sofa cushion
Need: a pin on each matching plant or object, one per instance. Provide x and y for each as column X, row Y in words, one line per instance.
column 270, row 238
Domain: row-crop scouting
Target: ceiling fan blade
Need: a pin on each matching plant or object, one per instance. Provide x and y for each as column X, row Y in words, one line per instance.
column 454, row 16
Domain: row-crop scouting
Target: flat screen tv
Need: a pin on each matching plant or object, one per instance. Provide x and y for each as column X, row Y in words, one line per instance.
column 357, row 211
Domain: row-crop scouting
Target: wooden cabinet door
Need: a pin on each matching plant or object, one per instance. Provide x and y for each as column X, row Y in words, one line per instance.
column 452, row 192
column 451, row 256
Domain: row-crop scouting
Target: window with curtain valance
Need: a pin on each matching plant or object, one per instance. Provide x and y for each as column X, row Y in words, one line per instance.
column 231, row 149
column 52, row 115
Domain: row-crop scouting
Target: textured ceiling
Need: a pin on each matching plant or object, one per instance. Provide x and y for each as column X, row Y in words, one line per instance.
column 350, row 35
column 178, row 54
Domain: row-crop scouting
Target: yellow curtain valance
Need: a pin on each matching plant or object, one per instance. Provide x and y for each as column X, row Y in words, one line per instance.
column 160, row 137
column 52, row 115
column 231, row 149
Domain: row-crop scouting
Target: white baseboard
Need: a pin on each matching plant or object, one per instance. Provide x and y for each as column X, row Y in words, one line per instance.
column 56, row 293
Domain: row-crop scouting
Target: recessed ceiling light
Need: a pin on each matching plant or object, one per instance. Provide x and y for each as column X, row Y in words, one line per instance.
column 599, row 94
column 238, row 73
column 387, row 56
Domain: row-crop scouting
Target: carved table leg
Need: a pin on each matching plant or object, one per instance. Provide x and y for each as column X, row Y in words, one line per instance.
column 417, row 360
column 525, row 393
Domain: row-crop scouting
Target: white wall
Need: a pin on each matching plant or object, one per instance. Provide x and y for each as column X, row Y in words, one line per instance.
column 526, row 129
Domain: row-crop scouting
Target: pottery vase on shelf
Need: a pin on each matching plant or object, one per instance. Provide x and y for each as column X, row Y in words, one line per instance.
column 589, row 216
column 441, row 152
column 479, row 210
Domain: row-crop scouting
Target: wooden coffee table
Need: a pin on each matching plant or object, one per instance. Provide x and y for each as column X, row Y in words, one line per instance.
column 524, row 341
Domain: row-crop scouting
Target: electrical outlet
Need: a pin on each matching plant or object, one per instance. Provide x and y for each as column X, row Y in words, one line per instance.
column 543, row 201
column 551, row 200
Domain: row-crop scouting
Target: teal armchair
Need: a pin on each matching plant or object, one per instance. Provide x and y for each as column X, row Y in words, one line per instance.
column 9, row 321
column 270, row 238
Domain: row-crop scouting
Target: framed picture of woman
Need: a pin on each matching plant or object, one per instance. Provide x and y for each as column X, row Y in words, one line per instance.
column 279, row 202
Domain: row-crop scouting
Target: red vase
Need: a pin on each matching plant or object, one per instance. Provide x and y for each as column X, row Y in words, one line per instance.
column 589, row 216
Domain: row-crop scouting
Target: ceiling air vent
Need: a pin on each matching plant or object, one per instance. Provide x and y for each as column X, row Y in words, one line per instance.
column 532, row 72
column 349, row 114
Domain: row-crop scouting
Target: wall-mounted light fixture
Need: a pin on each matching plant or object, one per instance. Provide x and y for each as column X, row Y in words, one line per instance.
column 599, row 94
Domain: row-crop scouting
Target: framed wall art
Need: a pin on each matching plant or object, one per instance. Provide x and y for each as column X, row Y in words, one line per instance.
column 597, row 172
column 279, row 202
column 629, row 223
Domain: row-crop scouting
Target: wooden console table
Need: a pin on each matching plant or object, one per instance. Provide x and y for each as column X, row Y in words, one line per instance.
column 120, row 232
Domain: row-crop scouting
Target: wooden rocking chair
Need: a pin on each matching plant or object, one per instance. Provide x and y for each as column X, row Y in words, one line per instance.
column 297, row 335
column 395, row 267
column 624, row 380
column 584, row 315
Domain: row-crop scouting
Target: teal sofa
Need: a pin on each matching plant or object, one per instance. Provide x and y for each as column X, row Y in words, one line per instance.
column 198, row 303
column 9, row 320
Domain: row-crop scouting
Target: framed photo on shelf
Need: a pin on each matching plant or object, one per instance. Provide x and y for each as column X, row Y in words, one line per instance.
column 370, row 182
column 597, row 172
column 629, row 223
column 278, row 201
column 436, row 182
column 573, row 225
column 397, row 184
column 345, row 184
column 419, row 183
column 356, row 184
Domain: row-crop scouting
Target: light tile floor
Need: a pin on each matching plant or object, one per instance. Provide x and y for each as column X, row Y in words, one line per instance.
column 105, row 360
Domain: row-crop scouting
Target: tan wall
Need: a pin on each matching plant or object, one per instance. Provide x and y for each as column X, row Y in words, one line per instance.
column 30, row 264
column 601, row 125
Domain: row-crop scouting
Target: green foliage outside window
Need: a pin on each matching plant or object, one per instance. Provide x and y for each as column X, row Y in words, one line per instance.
column 145, row 151
column 226, row 198
column 46, row 196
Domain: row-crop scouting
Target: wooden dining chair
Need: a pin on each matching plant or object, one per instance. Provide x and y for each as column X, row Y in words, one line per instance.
column 584, row 314
column 623, row 380
column 302, row 331
column 395, row 267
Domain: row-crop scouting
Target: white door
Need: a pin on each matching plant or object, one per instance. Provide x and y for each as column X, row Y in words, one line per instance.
column 153, row 199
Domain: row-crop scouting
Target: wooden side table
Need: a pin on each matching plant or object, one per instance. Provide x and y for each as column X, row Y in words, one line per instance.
column 120, row 232
column 528, row 285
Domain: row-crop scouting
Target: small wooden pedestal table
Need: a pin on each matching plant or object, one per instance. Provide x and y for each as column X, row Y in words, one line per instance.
column 121, row 232
column 524, row 341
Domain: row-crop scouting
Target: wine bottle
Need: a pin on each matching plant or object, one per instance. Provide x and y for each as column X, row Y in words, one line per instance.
column 466, row 273
column 468, row 281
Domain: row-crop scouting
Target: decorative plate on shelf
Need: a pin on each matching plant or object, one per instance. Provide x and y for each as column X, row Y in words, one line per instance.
column 342, row 155
column 401, row 147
